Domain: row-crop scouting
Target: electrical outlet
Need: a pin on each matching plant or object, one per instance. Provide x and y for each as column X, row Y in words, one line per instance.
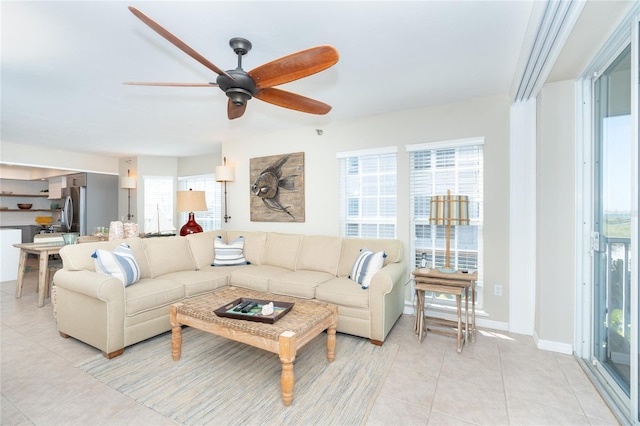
column 497, row 290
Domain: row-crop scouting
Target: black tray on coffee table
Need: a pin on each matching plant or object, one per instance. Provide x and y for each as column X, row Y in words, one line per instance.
column 255, row 314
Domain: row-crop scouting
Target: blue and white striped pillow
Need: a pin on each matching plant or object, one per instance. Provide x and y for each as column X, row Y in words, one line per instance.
column 118, row 263
column 229, row 254
column 366, row 266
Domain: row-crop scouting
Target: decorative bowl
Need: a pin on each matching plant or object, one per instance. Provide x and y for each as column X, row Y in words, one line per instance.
column 25, row 206
column 44, row 220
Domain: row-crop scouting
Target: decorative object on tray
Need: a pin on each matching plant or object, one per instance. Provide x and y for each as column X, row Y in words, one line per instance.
column 253, row 310
column 116, row 230
column 7, row 192
column 24, row 206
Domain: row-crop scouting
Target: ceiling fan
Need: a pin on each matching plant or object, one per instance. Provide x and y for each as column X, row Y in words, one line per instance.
column 240, row 86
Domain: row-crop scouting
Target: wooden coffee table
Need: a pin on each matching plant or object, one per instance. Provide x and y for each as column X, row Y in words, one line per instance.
column 306, row 320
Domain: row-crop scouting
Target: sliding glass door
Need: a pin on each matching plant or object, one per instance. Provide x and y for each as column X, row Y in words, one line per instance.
column 608, row 289
column 612, row 243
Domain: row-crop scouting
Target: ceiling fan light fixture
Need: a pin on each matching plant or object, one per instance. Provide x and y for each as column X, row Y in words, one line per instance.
column 238, row 96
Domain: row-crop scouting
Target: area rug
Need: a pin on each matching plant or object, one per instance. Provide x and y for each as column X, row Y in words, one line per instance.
column 218, row 381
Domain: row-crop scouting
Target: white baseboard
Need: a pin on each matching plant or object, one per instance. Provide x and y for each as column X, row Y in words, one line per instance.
column 549, row 345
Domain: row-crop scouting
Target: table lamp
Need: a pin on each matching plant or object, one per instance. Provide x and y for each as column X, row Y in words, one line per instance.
column 449, row 210
column 191, row 201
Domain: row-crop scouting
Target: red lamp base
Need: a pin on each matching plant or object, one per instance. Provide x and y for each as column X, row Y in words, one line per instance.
column 191, row 227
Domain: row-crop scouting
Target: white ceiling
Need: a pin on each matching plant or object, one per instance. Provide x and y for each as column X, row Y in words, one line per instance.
column 63, row 64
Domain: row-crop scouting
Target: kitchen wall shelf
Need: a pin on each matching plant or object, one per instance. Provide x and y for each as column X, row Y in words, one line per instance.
column 30, row 210
column 45, row 195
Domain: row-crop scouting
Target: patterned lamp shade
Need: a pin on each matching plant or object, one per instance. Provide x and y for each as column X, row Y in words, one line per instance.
column 449, row 210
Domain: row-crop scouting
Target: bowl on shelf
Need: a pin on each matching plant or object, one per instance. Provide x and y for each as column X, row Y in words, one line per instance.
column 24, row 206
column 43, row 220
column 7, row 192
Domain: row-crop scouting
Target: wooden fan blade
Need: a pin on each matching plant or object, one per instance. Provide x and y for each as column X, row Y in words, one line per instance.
column 292, row 101
column 294, row 66
column 139, row 83
column 177, row 42
column 234, row 111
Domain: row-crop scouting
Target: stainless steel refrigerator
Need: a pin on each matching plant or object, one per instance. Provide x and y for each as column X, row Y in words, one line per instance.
column 90, row 200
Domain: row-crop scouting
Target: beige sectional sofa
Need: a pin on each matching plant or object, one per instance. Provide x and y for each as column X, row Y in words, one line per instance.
column 98, row 310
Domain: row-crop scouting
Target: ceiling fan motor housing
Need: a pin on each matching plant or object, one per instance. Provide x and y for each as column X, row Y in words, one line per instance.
column 239, row 90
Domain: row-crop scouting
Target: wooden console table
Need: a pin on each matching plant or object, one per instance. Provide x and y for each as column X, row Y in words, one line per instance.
column 457, row 284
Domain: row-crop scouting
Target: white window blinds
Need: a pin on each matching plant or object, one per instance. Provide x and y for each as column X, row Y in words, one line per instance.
column 368, row 187
column 436, row 168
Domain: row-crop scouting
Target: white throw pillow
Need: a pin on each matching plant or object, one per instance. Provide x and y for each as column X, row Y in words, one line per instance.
column 118, row 263
column 229, row 254
column 366, row 266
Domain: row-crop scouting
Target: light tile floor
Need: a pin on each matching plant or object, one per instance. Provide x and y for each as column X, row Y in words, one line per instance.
column 501, row 379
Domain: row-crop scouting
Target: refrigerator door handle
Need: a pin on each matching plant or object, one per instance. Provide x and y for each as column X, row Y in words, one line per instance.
column 68, row 212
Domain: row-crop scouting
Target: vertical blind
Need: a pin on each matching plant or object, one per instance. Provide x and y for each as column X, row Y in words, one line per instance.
column 368, row 186
column 434, row 169
column 211, row 219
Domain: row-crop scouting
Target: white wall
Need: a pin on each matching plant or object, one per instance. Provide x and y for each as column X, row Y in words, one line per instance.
column 556, row 202
column 27, row 155
column 488, row 117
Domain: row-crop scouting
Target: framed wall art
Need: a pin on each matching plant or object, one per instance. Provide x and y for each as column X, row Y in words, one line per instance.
column 277, row 188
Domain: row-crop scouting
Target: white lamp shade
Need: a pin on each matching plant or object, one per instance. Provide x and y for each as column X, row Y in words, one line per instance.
column 225, row 173
column 127, row 182
column 192, row 201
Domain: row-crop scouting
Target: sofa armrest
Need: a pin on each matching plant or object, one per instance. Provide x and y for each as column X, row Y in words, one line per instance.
column 386, row 300
column 99, row 286
column 386, row 278
column 91, row 308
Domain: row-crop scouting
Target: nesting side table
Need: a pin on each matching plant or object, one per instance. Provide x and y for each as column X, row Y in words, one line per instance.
column 458, row 284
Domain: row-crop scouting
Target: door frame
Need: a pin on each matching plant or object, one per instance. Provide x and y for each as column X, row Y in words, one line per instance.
column 627, row 33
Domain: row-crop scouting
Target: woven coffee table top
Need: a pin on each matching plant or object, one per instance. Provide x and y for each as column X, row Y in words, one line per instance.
column 304, row 315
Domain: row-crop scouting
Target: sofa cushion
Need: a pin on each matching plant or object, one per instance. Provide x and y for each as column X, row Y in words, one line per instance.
column 199, row 282
column 119, row 263
column 343, row 292
column 255, row 276
column 201, row 246
column 230, row 254
column 299, row 283
column 254, row 243
column 151, row 293
column 282, row 250
column 168, row 254
column 77, row 257
column 351, row 250
column 366, row 266
column 319, row 253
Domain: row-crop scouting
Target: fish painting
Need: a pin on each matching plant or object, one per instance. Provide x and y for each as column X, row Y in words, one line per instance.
column 269, row 185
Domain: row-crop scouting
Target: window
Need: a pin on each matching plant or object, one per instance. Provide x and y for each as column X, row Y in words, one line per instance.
column 211, row 219
column 436, row 168
column 158, row 204
column 368, row 187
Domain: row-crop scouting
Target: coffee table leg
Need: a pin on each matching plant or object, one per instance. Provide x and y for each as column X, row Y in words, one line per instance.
column 287, row 353
column 331, row 336
column 176, row 333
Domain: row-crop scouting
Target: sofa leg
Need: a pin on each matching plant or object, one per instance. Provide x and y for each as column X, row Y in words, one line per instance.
column 65, row 335
column 113, row 354
column 376, row 342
